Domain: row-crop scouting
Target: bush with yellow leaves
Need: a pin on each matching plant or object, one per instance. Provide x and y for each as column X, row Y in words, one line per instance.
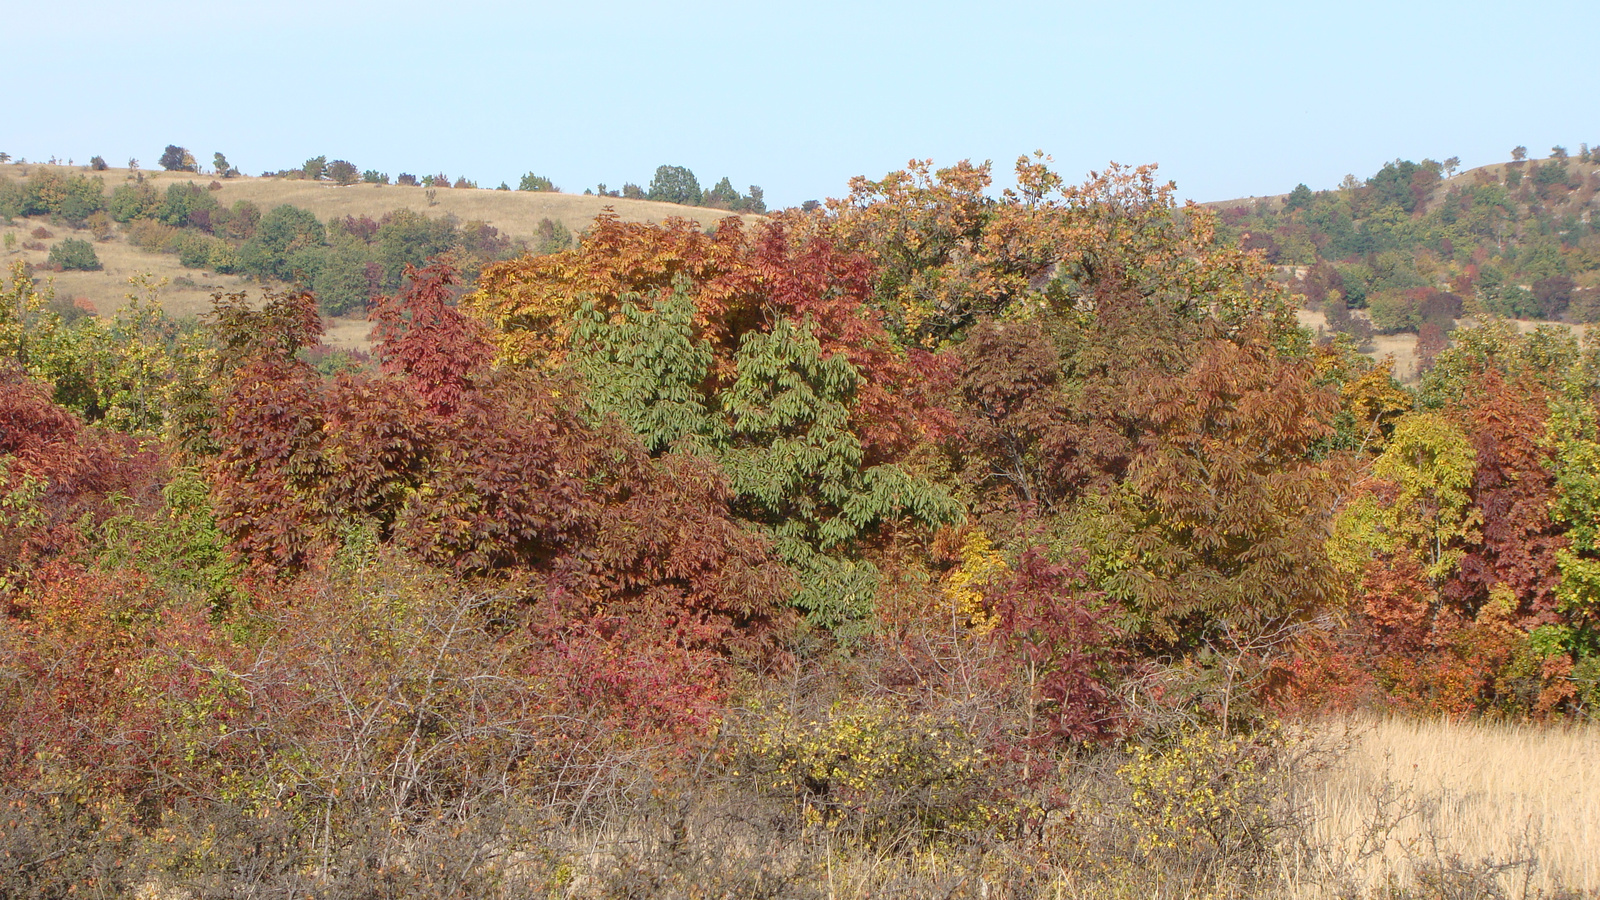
column 1207, row 796
column 869, row 772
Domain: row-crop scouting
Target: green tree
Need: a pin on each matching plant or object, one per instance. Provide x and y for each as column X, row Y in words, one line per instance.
column 134, row 201
column 407, row 238
column 798, row 470
column 287, row 240
column 532, row 182
column 675, row 184
column 187, row 203
column 343, row 172
column 723, row 196
column 177, row 159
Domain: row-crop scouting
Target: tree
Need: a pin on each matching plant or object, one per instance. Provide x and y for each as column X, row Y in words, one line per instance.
column 675, row 184
column 1222, row 520
column 1558, row 152
column 281, row 242
column 1299, row 198
column 98, row 163
column 421, row 336
column 532, row 182
column 342, row 172
column 1451, row 165
column 723, row 196
column 1513, row 490
column 315, row 168
column 1519, row 153
column 1430, row 464
column 177, row 159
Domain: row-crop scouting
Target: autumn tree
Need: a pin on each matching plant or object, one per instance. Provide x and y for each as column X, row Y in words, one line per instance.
column 1513, row 492
column 1224, row 513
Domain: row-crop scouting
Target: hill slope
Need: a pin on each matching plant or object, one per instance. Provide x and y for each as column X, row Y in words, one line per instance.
column 517, row 215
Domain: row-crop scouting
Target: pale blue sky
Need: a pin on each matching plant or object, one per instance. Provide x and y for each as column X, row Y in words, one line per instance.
column 1230, row 98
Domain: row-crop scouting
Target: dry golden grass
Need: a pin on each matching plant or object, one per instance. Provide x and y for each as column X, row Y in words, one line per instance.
column 1407, row 800
column 186, row 291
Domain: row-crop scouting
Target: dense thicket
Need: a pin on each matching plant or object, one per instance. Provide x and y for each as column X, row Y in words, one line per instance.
column 877, row 516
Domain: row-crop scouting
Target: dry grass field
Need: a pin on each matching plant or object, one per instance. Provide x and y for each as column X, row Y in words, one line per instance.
column 1510, row 810
column 183, row 291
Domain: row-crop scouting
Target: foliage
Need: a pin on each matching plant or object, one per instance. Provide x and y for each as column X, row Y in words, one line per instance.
column 74, row 254
column 1224, row 514
column 865, row 773
column 674, row 184
column 532, row 182
column 177, row 159
column 1205, row 793
column 343, row 172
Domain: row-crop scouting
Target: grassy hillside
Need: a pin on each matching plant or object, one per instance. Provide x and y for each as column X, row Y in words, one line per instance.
column 187, row 291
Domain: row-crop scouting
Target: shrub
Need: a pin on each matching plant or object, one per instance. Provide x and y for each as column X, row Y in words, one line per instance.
column 76, row 254
column 149, row 234
column 42, row 233
column 199, row 251
column 99, row 225
column 867, row 772
column 1208, row 798
column 98, row 163
column 134, row 201
column 373, row 176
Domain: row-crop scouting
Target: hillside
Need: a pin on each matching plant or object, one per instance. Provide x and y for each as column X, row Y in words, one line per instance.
column 516, row 214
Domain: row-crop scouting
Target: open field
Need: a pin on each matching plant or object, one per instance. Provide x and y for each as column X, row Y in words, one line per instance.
column 1417, row 802
column 185, row 292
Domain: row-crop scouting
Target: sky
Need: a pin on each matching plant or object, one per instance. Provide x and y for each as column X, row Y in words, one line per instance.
column 1230, row 99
